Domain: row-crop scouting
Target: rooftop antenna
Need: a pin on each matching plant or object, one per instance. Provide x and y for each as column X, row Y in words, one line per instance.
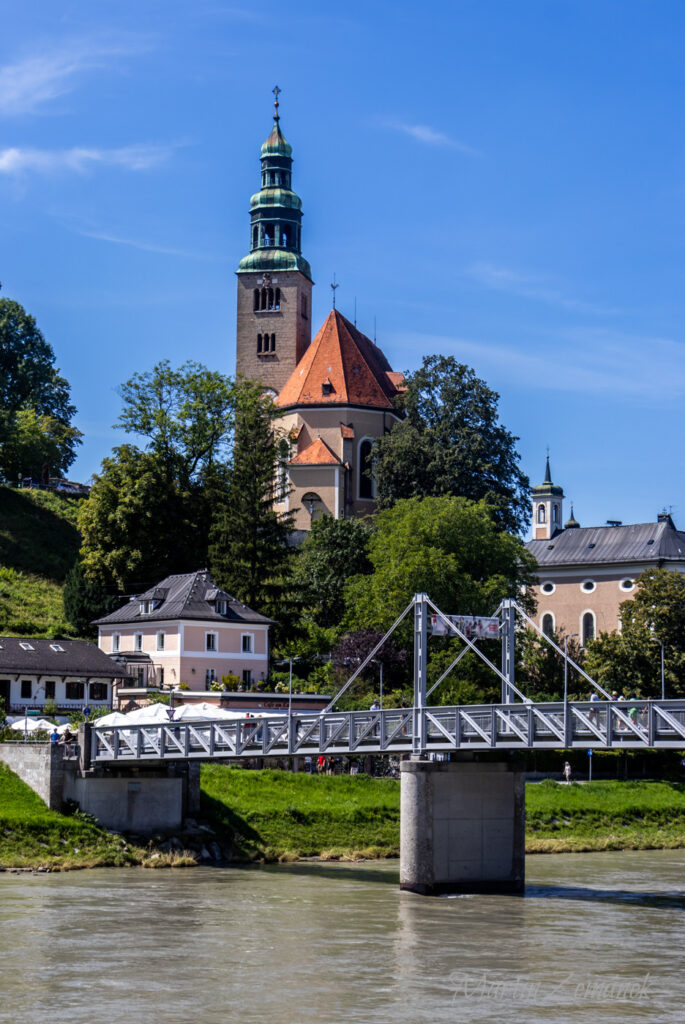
column 333, row 289
column 276, row 91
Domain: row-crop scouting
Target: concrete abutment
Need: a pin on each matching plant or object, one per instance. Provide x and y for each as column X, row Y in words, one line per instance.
column 462, row 826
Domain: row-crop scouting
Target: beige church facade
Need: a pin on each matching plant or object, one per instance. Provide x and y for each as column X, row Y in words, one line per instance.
column 585, row 573
column 338, row 392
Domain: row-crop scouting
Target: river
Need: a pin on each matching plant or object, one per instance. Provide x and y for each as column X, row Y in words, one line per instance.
column 597, row 938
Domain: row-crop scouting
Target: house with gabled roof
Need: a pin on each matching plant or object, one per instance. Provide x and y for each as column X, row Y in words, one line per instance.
column 72, row 674
column 187, row 630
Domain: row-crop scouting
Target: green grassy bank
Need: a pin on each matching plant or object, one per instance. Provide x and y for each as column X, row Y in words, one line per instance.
column 274, row 815
column 31, row 836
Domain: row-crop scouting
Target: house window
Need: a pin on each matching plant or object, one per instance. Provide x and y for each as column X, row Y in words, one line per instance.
column 365, row 469
column 98, row 691
column 74, row 691
column 548, row 624
column 210, row 641
column 116, row 642
column 627, row 584
column 50, row 689
column 26, row 647
column 247, row 643
column 541, row 514
column 588, row 586
column 221, row 607
column 247, row 677
column 588, row 627
column 210, row 677
column 160, row 641
column 26, row 689
column 138, row 642
column 548, row 587
column 141, row 677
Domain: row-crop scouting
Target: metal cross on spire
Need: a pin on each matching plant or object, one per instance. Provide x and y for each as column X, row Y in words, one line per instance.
column 276, row 91
column 333, row 288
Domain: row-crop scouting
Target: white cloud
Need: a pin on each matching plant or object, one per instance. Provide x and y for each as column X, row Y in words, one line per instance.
column 142, row 244
column 530, row 285
column 29, row 84
column 603, row 362
column 431, row 136
column 17, row 161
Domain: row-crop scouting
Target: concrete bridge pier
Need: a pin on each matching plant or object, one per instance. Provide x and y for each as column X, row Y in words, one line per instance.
column 462, row 826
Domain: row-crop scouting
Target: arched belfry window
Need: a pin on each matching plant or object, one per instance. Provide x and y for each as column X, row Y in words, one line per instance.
column 541, row 514
column 555, row 513
column 366, row 483
column 588, row 627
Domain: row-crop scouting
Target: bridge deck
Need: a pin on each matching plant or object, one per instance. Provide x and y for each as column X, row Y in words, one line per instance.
column 599, row 725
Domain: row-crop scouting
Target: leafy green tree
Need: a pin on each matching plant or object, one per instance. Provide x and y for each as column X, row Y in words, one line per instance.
column 149, row 512
column 250, row 553
column 186, row 415
column 631, row 660
column 451, row 442
column 84, row 600
column 38, row 445
column 31, row 385
column 448, row 547
column 334, row 551
column 138, row 525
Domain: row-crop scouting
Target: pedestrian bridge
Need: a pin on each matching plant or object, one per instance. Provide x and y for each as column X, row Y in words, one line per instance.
column 601, row 725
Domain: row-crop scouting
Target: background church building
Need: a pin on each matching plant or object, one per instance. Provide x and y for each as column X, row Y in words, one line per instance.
column 338, row 391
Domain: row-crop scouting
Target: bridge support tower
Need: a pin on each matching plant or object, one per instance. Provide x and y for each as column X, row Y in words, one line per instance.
column 462, row 826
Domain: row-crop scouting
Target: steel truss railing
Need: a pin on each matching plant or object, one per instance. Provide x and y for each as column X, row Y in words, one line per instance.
column 600, row 724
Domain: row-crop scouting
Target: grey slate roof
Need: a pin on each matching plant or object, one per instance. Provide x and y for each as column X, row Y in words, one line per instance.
column 603, row 545
column 77, row 658
column 192, row 595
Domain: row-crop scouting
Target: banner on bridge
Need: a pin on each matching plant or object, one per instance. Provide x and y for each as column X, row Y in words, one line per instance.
column 472, row 626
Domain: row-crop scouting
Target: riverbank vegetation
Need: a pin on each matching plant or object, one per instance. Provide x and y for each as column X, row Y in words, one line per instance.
column 274, row 815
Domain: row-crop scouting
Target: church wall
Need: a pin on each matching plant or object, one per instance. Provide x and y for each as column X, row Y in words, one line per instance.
column 570, row 601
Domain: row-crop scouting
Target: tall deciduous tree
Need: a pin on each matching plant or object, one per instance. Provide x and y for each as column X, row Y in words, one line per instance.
column 333, row 551
column 249, row 554
column 186, row 415
column 85, row 600
column 450, row 548
column 35, row 406
column 451, row 442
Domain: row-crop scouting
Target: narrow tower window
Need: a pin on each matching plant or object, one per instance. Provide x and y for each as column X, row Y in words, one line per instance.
column 271, row 298
column 548, row 624
column 256, row 298
column 365, row 466
column 259, row 343
column 588, row 627
column 541, row 514
column 277, row 304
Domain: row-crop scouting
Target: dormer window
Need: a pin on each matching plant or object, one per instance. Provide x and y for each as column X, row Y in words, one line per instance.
column 26, row 647
column 56, row 647
column 326, row 387
column 222, row 607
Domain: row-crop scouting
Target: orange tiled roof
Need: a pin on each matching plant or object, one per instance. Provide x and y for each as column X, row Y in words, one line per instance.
column 341, row 367
column 316, row 454
column 346, row 431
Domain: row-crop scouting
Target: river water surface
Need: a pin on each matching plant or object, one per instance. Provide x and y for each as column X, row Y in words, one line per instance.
column 597, row 938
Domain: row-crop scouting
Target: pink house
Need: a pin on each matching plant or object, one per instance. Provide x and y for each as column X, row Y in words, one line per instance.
column 187, row 630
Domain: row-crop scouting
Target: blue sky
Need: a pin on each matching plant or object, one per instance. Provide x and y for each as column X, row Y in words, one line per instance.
column 500, row 182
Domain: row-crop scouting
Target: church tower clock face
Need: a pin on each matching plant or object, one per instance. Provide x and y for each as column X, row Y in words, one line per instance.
column 274, row 279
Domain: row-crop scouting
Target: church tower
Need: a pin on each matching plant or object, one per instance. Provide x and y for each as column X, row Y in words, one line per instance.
column 547, row 507
column 274, row 280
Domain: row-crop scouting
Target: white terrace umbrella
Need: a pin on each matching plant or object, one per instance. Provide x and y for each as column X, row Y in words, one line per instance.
column 115, row 718
column 151, row 715
column 26, row 724
column 204, row 712
column 43, row 723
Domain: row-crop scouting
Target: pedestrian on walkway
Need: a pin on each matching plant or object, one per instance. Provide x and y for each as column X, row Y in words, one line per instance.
column 567, row 772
